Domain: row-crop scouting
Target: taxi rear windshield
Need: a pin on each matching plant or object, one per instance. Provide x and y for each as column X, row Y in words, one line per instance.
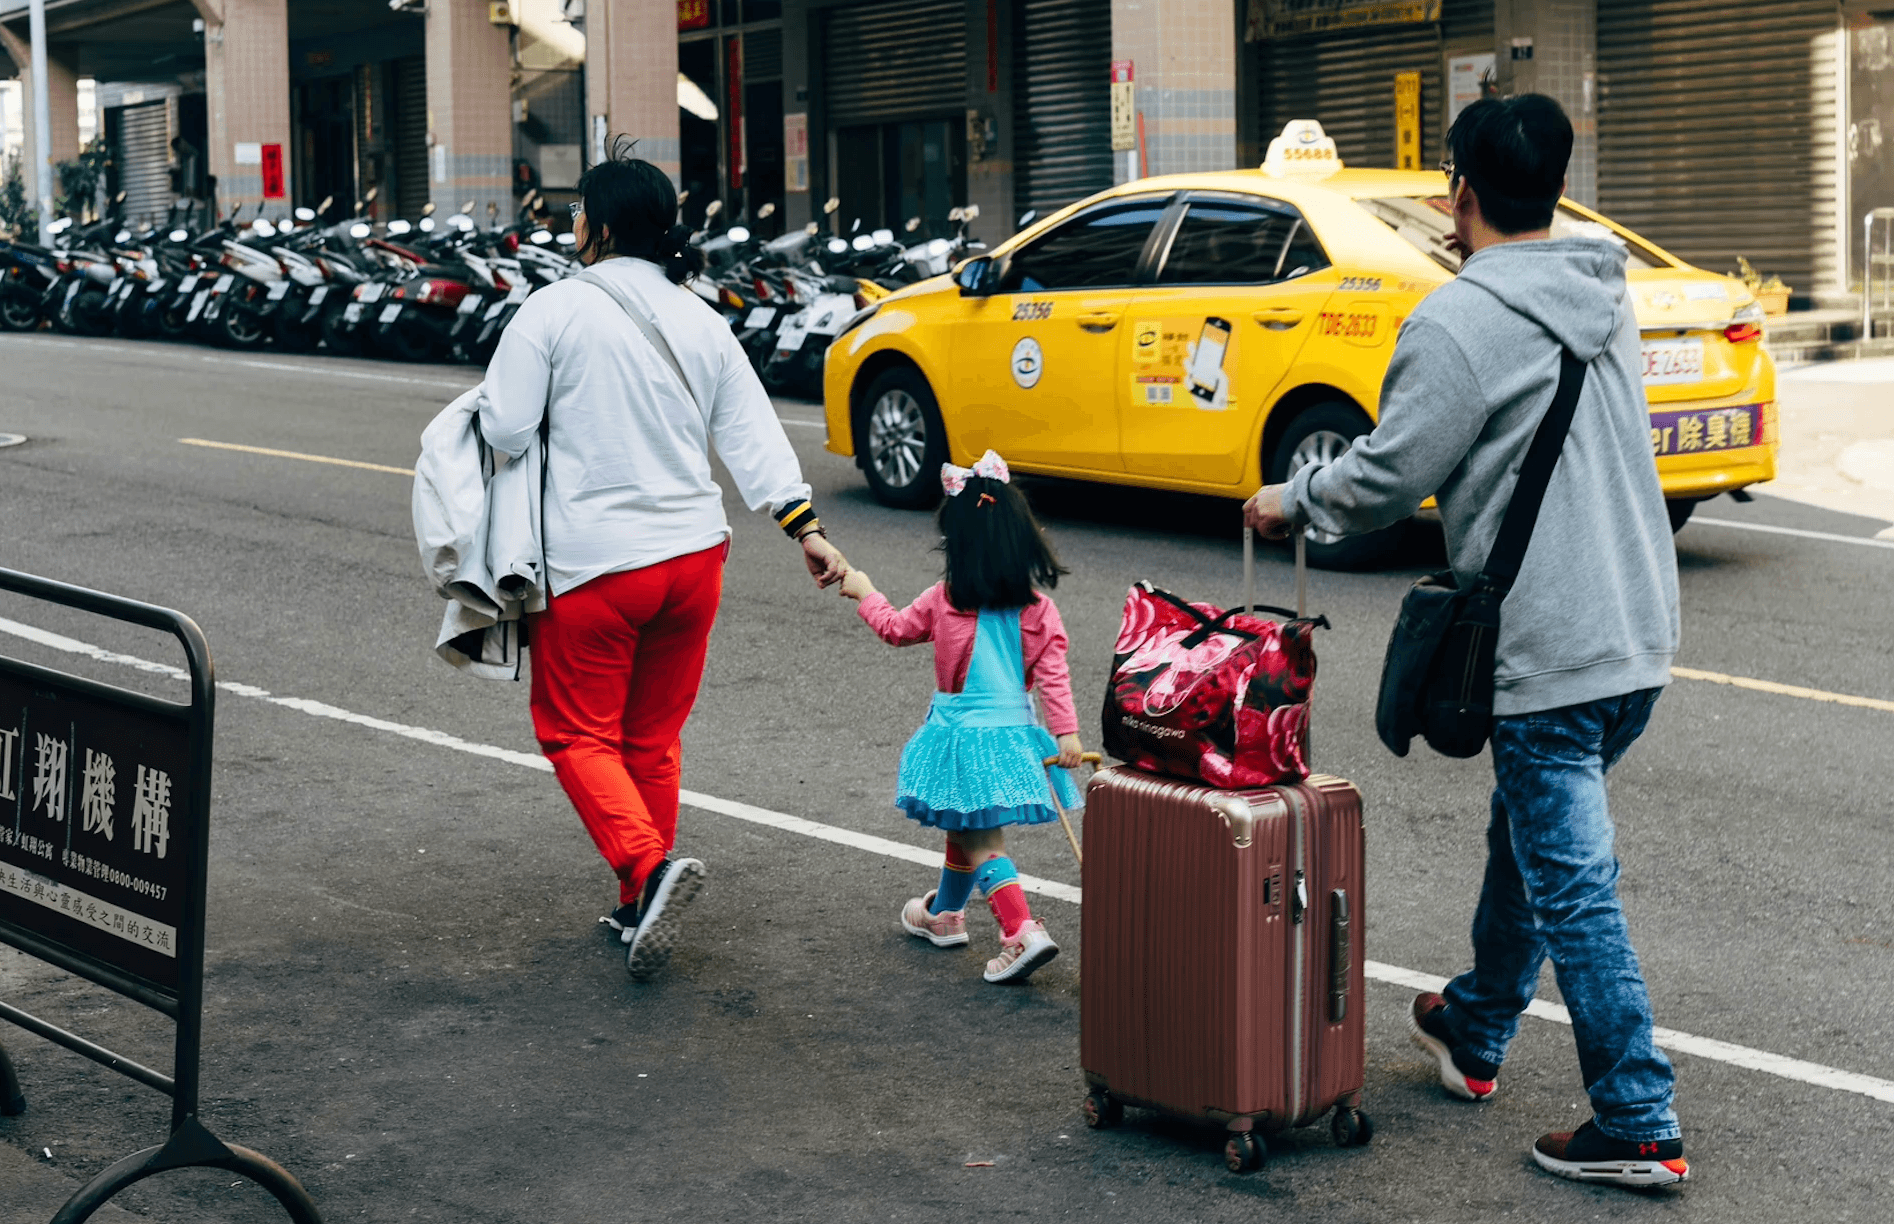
column 1427, row 223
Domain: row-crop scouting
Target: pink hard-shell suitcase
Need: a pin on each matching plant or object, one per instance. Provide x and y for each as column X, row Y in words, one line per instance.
column 1221, row 973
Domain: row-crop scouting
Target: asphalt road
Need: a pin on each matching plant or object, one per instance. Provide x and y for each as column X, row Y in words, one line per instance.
column 410, row 1006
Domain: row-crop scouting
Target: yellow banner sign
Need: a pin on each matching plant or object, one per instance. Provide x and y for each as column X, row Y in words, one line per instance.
column 1277, row 18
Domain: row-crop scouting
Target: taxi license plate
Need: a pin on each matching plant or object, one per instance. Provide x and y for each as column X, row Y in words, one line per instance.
column 762, row 316
column 1697, row 431
column 1673, row 361
column 391, row 312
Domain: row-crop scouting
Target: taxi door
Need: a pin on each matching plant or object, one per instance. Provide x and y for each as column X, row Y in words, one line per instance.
column 1034, row 365
column 1234, row 296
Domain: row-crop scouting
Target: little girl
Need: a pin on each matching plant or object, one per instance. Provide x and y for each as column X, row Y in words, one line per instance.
column 976, row 764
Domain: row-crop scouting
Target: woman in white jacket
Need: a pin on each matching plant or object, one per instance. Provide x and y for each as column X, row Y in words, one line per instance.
column 635, row 533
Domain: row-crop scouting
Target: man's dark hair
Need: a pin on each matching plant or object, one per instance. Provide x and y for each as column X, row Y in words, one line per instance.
column 1512, row 152
column 995, row 549
column 636, row 203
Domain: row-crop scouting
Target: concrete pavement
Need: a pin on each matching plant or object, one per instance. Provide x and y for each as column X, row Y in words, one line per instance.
column 411, row 1008
column 1838, row 438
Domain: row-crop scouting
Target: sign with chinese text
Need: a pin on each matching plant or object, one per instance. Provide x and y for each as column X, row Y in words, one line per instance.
column 1124, row 107
column 693, row 14
column 273, row 172
column 1469, row 78
column 1277, row 18
column 796, row 151
column 96, row 836
column 1407, row 120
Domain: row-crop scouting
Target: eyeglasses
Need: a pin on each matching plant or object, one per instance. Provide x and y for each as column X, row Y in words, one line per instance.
column 576, row 208
column 1446, row 168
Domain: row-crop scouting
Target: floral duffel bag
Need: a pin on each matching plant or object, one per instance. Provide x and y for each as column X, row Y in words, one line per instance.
column 1219, row 696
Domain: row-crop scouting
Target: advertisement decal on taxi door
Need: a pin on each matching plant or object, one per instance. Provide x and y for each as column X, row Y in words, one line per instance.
column 1183, row 363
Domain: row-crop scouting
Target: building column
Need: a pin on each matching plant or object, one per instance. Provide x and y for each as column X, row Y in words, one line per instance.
column 62, row 104
column 990, row 141
column 1184, row 60
column 631, row 80
column 1551, row 47
column 469, row 108
column 246, row 87
column 805, row 171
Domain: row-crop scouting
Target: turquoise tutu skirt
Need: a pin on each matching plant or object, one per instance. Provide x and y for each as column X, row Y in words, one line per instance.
column 976, row 763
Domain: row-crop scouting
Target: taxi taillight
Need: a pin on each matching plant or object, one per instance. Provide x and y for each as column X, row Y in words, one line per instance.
column 1742, row 333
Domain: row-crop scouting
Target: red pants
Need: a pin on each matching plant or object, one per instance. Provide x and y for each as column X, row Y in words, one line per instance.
column 616, row 665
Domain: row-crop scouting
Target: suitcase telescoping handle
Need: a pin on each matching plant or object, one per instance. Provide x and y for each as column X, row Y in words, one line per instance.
column 1094, row 759
column 1302, row 570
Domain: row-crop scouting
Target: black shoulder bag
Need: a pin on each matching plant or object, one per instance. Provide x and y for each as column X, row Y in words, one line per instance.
column 1437, row 680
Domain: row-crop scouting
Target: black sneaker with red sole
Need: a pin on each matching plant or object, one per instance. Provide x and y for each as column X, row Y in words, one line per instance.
column 1589, row 1155
column 1462, row 1073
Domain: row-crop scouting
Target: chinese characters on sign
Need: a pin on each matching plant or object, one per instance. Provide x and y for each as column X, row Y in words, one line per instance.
column 93, row 802
column 1275, row 18
column 1715, row 429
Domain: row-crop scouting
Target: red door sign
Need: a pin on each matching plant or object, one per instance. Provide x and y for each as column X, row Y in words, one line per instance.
column 273, row 172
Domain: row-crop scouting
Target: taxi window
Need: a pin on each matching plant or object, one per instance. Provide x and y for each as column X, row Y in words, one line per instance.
column 1427, row 223
column 1240, row 242
column 1099, row 247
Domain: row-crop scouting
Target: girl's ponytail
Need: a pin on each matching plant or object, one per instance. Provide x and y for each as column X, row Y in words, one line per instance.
column 996, row 553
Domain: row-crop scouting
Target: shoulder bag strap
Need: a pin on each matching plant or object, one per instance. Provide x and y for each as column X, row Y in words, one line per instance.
column 651, row 333
column 1515, row 530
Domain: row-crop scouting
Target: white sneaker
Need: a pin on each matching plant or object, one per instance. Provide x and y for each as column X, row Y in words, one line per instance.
column 943, row 930
column 1019, row 956
column 656, row 936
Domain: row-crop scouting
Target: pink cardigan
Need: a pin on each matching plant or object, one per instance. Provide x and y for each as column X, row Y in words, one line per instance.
column 932, row 618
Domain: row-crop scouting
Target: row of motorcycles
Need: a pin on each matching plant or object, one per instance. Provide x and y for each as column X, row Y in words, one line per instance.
column 438, row 288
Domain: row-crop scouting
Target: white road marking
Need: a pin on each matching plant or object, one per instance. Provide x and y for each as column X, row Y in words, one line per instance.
column 1684, row 1043
column 1831, row 537
column 804, row 424
column 1783, row 690
column 323, row 371
column 283, row 454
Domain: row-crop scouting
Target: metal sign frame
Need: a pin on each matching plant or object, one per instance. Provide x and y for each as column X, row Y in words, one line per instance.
column 189, row 1143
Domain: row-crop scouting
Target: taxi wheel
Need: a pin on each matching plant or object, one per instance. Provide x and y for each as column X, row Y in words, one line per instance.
column 900, row 440
column 1322, row 434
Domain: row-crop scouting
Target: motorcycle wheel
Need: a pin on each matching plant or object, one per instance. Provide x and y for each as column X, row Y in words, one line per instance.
column 172, row 323
column 295, row 336
column 242, row 328
column 87, row 314
column 19, row 312
column 412, row 343
column 343, row 339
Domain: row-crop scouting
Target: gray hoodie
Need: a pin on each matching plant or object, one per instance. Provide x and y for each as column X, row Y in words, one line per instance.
column 1594, row 612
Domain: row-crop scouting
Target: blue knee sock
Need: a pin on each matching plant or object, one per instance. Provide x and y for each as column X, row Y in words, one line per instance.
column 956, row 882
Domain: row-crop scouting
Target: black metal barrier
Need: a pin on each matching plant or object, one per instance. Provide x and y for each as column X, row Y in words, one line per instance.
column 104, row 852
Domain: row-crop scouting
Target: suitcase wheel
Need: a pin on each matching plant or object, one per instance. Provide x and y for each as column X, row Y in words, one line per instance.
column 1102, row 1110
column 1351, row 1127
column 1245, row 1151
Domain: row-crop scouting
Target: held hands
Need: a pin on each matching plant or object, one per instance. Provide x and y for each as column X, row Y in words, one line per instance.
column 1069, row 750
column 856, row 585
column 825, row 561
column 1264, row 513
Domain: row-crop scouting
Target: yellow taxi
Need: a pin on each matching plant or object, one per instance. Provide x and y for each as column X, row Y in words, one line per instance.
column 1210, row 333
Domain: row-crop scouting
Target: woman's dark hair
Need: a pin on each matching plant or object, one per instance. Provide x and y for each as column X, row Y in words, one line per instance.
column 1513, row 152
column 995, row 550
column 631, row 204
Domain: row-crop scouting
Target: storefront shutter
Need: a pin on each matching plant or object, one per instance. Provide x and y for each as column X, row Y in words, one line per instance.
column 1345, row 81
column 144, row 162
column 410, row 133
column 1717, row 131
column 902, row 60
column 1061, row 102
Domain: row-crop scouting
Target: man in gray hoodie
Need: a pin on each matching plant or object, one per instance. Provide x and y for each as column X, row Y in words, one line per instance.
column 1587, row 632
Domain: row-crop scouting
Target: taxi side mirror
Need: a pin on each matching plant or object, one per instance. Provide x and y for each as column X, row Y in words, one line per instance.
column 980, row 276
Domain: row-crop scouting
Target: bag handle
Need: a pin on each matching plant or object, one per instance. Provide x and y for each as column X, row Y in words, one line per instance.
column 651, row 333
column 1515, row 530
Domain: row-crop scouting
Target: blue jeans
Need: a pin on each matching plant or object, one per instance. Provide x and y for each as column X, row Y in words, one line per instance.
column 1551, row 890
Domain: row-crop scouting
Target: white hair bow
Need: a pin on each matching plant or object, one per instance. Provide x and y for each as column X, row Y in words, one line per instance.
column 990, row 465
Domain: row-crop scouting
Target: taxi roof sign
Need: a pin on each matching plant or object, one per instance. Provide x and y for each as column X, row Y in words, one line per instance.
column 1303, row 150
